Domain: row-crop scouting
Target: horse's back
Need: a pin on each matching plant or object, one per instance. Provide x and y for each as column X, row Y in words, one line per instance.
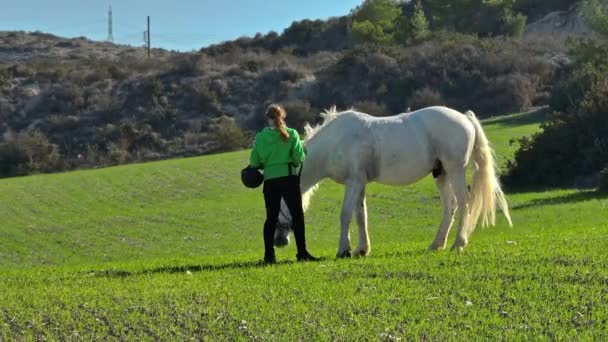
column 409, row 145
column 397, row 149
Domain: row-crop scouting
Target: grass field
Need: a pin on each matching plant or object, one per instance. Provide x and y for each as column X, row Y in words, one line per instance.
column 169, row 251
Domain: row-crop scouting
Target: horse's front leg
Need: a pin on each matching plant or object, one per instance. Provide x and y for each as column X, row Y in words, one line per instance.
column 364, row 247
column 351, row 193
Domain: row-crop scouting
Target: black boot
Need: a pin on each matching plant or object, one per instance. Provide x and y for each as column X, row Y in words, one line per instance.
column 300, row 236
column 305, row 256
column 269, row 257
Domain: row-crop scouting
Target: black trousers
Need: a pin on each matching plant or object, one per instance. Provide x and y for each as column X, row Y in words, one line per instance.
column 288, row 189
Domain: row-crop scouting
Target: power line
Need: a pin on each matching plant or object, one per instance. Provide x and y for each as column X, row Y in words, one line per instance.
column 183, row 34
column 74, row 26
column 125, row 26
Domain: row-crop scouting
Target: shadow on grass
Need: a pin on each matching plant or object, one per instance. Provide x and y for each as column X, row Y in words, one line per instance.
column 117, row 273
column 565, row 199
column 406, row 253
column 532, row 117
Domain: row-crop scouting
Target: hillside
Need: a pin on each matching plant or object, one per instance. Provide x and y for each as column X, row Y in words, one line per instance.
column 74, row 103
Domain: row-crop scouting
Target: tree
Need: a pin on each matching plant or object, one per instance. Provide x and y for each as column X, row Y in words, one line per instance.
column 453, row 15
column 514, row 24
column 375, row 21
column 483, row 17
column 596, row 15
column 366, row 32
column 419, row 23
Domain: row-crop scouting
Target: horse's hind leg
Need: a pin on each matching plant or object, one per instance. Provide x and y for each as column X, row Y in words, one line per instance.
column 364, row 246
column 352, row 192
column 459, row 185
column 448, row 201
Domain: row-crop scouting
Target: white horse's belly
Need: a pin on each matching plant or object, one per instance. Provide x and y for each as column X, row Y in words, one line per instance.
column 406, row 157
column 404, row 173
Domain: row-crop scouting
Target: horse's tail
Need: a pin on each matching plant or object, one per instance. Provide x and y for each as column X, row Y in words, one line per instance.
column 485, row 186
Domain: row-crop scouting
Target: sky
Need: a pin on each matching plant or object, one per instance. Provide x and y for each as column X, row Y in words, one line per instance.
column 182, row 25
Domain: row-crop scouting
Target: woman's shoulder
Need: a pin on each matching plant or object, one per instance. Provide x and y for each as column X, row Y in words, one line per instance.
column 262, row 132
column 261, row 136
column 293, row 133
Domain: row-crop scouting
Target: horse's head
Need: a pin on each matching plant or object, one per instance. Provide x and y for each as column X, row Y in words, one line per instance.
column 281, row 234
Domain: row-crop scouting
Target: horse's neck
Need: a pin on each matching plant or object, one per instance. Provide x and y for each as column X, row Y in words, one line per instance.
column 312, row 173
column 309, row 182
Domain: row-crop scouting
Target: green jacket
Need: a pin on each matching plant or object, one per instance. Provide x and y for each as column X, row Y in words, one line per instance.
column 274, row 155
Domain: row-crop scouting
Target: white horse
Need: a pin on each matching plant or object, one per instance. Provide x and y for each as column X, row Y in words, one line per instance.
column 354, row 148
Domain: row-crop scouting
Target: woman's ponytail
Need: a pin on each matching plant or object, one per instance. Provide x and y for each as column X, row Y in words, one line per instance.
column 277, row 114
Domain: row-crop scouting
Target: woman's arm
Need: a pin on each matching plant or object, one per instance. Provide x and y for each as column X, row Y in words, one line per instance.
column 254, row 158
column 297, row 150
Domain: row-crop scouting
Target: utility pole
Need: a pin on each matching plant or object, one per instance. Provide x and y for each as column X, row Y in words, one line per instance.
column 110, row 35
column 148, row 36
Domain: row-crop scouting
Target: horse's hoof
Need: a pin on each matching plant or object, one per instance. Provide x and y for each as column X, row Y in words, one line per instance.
column 460, row 244
column 361, row 252
column 457, row 248
column 436, row 248
column 343, row 255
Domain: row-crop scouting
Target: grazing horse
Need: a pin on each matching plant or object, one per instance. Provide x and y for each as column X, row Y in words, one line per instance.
column 354, row 148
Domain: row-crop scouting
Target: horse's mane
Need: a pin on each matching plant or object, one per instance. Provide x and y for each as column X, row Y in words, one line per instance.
column 328, row 115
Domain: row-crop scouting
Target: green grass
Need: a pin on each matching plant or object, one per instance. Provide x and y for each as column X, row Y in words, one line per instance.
column 169, row 250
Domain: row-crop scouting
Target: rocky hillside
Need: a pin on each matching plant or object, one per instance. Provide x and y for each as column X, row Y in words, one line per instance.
column 569, row 21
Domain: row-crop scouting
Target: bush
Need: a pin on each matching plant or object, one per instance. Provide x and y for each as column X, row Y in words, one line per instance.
column 139, row 136
column 299, row 113
column 59, row 123
column 512, row 93
column 425, row 97
column 62, row 100
column 603, row 187
column 363, row 73
column 27, row 153
column 574, row 141
column 371, row 107
column 118, row 154
column 227, row 135
column 201, row 98
column 488, row 76
column 187, row 65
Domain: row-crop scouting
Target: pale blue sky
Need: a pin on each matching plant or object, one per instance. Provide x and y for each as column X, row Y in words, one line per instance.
column 175, row 24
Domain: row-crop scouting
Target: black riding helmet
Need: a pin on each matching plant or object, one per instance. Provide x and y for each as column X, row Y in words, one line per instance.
column 251, row 178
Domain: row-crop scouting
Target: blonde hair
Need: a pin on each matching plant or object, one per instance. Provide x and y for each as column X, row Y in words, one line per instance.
column 277, row 114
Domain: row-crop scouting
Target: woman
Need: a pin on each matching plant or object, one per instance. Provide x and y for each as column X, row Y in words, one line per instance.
column 276, row 149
